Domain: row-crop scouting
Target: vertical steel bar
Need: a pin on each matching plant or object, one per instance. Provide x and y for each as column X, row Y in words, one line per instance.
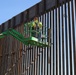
column 37, row 73
column 50, row 38
column 39, row 53
column 54, row 47
column 52, row 41
column 25, row 59
column 69, row 40
column 62, row 43
column 58, row 40
column 66, row 38
column 59, row 43
column 35, row 61
column 72, row 35
column 74, row 1
column 31, row 56
column 65, row 41
column 29, row 60
column 42, row 20
column 44, row 49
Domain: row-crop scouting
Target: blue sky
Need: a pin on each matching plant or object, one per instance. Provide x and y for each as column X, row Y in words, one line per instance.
column 10, row 8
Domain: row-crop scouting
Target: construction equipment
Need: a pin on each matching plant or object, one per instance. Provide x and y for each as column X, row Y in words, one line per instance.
column 32, row 40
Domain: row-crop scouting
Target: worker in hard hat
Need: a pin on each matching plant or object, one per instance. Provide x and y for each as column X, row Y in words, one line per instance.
column 39, row 29
column 36, row 26
column 36, row 20
column 33, row 28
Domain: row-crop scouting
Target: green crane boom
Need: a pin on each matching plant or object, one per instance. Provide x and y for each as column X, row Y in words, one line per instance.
column 30, row 40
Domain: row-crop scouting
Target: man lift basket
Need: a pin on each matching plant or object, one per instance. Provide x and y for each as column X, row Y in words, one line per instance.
column 32, row 34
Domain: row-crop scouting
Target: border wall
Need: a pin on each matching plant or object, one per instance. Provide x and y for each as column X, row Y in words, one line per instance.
column 60, row 59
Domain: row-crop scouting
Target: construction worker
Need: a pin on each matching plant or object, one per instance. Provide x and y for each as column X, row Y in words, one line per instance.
column 39, row 29
column 33, row 28
column 37, row 26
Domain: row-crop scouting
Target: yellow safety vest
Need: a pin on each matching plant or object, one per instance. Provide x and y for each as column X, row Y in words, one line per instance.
column 33, row 24
column 40, row 24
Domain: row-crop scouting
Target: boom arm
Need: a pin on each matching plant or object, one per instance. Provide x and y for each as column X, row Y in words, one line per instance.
column 31, row 40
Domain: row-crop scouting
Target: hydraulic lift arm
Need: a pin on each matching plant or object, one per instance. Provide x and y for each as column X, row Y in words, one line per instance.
column 31, row 40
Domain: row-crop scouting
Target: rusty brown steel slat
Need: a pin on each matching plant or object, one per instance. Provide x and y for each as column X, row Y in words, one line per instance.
column 50, row 3
column 9, row 24
column 1, row 43
column 4, row 58
column 22, row 33
column 12, row 54
column 10, row 66
column 17, row 54
column 32, row 12
column 0, row 28
column 18, row 59
column 41, row 6
column 24, row 16
column 61, row 1
column 18, row 19
column 18, row 51
column 5, row 54
column 12, row 22
column 18, row 43
column 5, row 26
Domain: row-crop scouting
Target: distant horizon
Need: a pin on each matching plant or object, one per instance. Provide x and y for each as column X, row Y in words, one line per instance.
column 5, row 15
